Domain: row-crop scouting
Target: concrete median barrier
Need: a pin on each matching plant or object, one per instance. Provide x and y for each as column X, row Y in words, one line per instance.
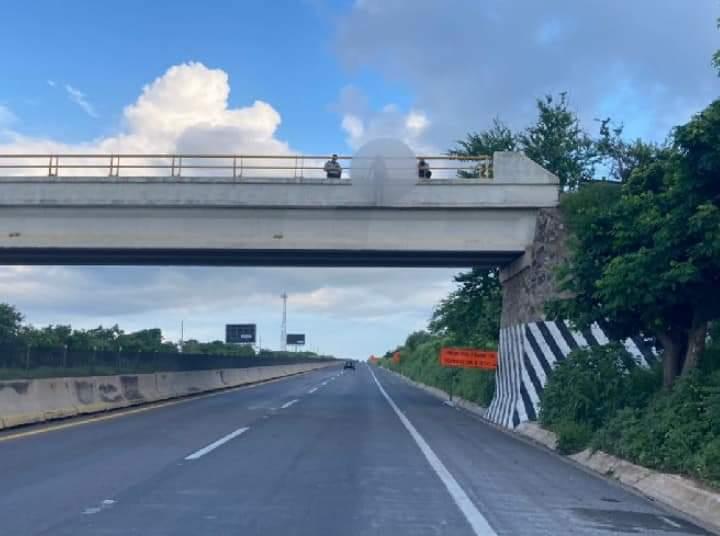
column 32, row 401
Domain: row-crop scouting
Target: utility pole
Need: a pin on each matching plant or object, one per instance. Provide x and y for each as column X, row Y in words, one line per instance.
column 182, row 330
column 283, row 329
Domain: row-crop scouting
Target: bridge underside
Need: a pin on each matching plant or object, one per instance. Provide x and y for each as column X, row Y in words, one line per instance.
column 211, row 236
column 263, row 257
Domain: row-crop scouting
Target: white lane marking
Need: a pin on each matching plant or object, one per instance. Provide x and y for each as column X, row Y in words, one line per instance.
column 286, row 405
column 311, row 391
column 671, row 522
column 107, row 503
column 477, row 521
column 212, row 446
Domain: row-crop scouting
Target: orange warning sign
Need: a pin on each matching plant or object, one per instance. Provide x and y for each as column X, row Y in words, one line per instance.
column 468, row 358
column 396, row 358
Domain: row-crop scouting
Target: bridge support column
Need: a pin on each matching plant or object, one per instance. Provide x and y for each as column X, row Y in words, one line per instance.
column 530, row 345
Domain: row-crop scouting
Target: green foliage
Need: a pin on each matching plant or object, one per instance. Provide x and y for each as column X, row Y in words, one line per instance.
column 592, row 384
column 10, row 323
column 56, row 339
column 649, row 259
column 572, row 436
column 618, row 156
column 420, row 362
column 556, row 141
column 559, row 144
column 599, row 397
column 679, row 431
column 716, row 56
column 497, row 138
column 470, row 315
column 192, row 346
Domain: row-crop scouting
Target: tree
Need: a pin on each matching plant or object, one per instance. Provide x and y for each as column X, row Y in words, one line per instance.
column 716, row 56
column 48, row 336
column 647, row 257
column 470, row 315
column 10, row 323
column 618, row 156
column 497, row 138
column 558, row 143
column 144, row 340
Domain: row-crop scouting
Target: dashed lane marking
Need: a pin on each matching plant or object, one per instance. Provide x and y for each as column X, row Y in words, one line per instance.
column 212, row 446
column 125, row 412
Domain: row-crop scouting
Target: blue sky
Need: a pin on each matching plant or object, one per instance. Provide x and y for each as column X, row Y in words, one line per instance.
column 316, row 76
column 109, row 50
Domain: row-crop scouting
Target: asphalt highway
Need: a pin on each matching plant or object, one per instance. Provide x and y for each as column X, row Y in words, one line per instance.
column 330, row 452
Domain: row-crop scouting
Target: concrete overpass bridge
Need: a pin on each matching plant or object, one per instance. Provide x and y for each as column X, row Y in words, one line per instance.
column 268, row 210
column 225, row 210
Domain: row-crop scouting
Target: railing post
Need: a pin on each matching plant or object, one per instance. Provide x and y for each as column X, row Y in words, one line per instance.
column 110, row 174
column 172, row 167
column 53, row 168
column 241, row 167
column 117, row 166
column 234, row 167
column 179, row 166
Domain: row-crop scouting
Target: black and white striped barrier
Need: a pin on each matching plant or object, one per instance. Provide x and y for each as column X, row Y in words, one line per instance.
column 528, row 353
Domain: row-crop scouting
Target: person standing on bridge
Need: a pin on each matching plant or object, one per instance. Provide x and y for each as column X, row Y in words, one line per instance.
column 424, row 169
column 332, row 168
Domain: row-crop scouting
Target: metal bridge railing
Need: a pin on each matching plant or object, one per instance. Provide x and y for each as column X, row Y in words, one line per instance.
column 215, row 165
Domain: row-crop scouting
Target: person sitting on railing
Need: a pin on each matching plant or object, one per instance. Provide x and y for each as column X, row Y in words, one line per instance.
column 424, row 169
column 332, row 168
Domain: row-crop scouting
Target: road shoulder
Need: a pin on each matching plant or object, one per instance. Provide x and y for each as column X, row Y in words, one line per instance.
column 683, row 495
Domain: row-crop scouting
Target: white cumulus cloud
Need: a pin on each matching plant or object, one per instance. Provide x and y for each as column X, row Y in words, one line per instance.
column 186, row 109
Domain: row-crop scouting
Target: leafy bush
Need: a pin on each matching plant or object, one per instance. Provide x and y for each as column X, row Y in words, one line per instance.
column 419, row 361
column 572, row 436
column 678, row 431
column 592, row 384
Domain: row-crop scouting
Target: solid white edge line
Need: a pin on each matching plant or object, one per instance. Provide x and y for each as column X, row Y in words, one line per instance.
column 477, row 521
column 311, row 391
column 288, row 404
column 212, row 446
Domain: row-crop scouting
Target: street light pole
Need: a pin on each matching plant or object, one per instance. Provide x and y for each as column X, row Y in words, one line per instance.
column 283, row 329
column 182, row 333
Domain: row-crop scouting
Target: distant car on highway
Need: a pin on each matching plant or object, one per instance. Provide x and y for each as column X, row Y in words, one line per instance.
column 349, row 364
